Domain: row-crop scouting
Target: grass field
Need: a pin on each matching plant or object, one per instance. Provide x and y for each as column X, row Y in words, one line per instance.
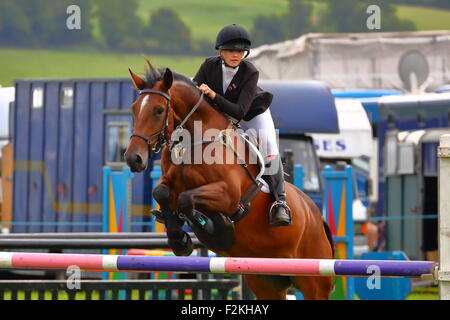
column 19, row 64
column 424, row 18
column 205, row 18
column 431, row 293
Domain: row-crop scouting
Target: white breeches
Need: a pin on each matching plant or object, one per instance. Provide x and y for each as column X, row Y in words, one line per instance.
column 263, row 125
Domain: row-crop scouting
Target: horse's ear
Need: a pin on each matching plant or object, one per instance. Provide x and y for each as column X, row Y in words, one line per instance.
column 138, row 82
column 167, row 79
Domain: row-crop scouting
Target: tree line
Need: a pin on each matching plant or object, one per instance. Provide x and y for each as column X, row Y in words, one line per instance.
column 106, row 24
column 116, row 25
column 328, row 16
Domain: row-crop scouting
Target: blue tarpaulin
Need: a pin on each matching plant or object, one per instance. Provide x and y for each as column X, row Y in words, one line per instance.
column 302, row 106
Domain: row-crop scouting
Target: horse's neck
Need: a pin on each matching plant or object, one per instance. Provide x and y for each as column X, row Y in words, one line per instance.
column 184, row 102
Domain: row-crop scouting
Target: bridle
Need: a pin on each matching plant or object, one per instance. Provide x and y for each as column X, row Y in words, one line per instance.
column 162, row 134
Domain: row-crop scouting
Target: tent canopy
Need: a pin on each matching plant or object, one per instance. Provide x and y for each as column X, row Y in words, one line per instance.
column 355, row 60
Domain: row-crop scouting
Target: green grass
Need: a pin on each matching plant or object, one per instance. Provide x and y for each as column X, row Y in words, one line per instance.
column 206, row 18
column 424, row 18
column 429, row 293
column 22, row 63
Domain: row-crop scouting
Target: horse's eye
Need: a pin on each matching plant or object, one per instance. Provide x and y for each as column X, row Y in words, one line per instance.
column 159, row 110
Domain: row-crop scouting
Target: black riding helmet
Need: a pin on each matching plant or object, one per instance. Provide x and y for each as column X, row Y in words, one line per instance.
column 233, row 37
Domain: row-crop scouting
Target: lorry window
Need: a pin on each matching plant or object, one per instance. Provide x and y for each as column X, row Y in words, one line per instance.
column 117, row 137
column 38, row 98
column 305, row 156
column 66, row 98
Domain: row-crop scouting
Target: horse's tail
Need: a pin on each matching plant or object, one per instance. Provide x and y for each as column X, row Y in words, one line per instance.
column 329, row 235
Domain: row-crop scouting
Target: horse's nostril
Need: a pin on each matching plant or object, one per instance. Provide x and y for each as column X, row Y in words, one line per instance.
column 135, row 162
column 138, row 160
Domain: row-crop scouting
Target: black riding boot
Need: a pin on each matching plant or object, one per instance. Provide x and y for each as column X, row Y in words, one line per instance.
column 280, row 213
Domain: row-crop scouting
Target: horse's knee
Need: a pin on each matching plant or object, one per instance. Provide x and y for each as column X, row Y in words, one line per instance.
column 161, row 193
column 185, row 203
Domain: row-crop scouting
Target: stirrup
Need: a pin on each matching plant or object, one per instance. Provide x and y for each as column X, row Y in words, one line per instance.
column 280, row 203
column 275, row 205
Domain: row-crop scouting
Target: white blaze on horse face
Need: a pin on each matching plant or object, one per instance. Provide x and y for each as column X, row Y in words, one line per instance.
column 143, row 103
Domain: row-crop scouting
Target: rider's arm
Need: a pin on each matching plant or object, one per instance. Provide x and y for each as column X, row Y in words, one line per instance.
column 239, row 110
column 200, row 77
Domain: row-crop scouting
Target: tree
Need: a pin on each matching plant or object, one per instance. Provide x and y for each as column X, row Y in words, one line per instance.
column 42, row 22
column 15, row 28
column 351, row 16
column 119, row 23
column 267, row 30
column 297, row 21
column 167, row 33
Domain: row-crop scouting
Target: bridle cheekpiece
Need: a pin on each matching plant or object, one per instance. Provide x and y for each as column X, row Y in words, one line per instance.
column 161, row 135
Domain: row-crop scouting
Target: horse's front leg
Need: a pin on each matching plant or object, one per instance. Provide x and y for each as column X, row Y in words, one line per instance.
column 179, row 241
column 215, row 230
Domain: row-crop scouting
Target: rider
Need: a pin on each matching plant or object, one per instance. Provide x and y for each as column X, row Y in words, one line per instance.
column 231, row 83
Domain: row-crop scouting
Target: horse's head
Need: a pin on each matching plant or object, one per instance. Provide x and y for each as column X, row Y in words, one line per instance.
column 151, row 111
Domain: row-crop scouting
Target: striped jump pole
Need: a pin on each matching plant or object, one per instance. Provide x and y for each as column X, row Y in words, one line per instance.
column 273, row 266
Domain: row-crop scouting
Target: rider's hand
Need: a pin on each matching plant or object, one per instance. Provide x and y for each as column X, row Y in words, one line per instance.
column 207, row 90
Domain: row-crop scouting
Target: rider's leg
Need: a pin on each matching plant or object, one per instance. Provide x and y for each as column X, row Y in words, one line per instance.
column 280, row 213
column 273, row 175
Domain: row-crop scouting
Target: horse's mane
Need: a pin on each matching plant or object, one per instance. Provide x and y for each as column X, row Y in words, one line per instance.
column 153, row 75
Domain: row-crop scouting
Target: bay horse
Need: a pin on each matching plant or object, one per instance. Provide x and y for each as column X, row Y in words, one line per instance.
column 202, row 193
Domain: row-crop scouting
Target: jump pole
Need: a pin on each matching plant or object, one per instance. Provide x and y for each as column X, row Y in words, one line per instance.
column 273, row 266
column 443, row 275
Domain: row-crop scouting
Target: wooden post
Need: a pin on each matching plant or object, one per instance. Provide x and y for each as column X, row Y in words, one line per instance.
column 7, row 189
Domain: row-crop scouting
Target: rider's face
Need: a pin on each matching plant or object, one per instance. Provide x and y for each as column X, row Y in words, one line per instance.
column 232, row 57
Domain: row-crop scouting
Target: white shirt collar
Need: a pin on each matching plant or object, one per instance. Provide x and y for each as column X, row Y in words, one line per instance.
column 227, row 75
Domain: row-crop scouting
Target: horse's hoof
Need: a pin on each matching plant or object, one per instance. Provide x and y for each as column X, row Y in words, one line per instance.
column 159, row 216
column 181, row 246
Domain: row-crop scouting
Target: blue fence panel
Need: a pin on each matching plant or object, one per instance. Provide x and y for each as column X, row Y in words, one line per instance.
column 96, row 154
column 21, row 156
column 36, row 148
column 51, row 136
column 81, row 157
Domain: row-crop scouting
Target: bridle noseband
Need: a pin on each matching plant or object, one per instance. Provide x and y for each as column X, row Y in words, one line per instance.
column 161, row 135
